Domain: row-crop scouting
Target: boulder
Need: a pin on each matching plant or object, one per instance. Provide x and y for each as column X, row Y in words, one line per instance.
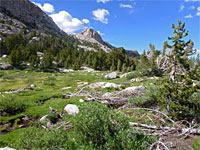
column 104, row 85
column 112, row 75
column 71, row 109
column 131, row 91
column 5, row 66
column 87, row 69
column 4, row 56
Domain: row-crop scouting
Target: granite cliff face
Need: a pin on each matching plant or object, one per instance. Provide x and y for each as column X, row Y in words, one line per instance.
column 92, row 36
column 29, row 15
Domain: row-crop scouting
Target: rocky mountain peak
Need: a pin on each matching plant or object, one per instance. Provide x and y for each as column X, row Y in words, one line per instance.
column 90, row 33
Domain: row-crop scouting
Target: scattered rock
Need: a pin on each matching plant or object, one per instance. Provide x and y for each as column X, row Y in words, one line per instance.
column 6, row 66
column 124, row 75
column 112, row 75
column 107, row 95
column 66, row 88
column 71, row 109
column 44, row 118
column 32, row 86
column 25, row 118
column 80, row 84
column 7, row 148
column 131, row 91
column 68, row 96
column 104, row 85
column 137, row 80
column 4, row 56
column 34, row 40
column 65, row 70
column 81, row 100
column 87, row 69
column 153, row 78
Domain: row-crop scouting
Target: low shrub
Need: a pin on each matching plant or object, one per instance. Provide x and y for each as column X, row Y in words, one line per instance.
column 12, row 105
column 196, row 144
column 132, row 75
column 1, row 74
column 50, row 81
column 149, row 97
column 105, row 129
column 39, row 138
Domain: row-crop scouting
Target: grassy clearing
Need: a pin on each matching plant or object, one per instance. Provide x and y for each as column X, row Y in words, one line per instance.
column 48, row 91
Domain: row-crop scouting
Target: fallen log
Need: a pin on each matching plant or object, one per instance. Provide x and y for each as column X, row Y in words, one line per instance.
column 162, row 129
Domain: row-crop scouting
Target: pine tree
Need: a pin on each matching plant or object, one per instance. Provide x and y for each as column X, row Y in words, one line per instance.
column 177, row 86
column 143, row 66
column 119, row 65
column 15, row 58
column 47, row 61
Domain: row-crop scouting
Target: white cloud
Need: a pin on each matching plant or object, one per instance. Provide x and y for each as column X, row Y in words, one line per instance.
column 198, row 9
column 189, row 16
column 67, row 23
column 100, row 15
column 103, row 1
column 192, row 7
column 46, row 7
column 181, row 8
column 125, row 6
column 85, row 21
column 192, row 0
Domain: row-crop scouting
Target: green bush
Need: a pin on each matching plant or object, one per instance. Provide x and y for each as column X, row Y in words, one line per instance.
column 50, row 81
column 132, row 75
column 196, row 144
column 149, row 98
column 106, row 129
column 1, row 74
column 39, row 138
column 12, row 105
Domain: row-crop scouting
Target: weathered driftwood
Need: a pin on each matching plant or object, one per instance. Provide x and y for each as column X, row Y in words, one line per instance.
column 114, row 101
column 154, row 127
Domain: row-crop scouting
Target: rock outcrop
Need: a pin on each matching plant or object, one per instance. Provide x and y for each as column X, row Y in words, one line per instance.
column 94, row 38
column 26, row 14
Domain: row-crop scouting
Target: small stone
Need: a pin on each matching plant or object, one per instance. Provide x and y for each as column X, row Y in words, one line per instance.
column 32, row 86
column 81, row 100
column 71, row 109
column 66, row 88
column 4, row 56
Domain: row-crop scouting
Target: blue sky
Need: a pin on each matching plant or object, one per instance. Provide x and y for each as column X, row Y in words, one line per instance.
column 131, row 24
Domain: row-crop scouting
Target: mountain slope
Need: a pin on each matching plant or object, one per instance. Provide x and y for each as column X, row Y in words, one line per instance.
column 30, row 15
column 94, row 42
